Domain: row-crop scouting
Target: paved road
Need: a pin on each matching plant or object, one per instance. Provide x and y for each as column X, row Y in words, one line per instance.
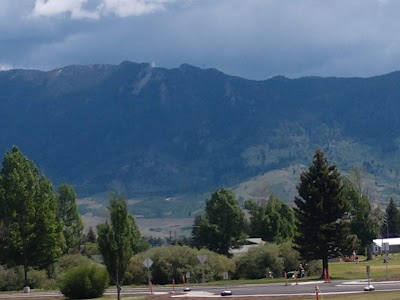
column 303, row 288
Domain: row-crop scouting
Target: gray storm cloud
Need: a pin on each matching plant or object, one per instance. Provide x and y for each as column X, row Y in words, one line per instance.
column 253, row 38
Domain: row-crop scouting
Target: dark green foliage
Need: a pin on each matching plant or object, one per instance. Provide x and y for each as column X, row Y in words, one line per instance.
column 273, row 221
column 69, row 215
column 31, row 231
column 321, row 211
column 391, row 224
column 258, row 261
column 84, row 282
column 222, row 225
column 91, row 236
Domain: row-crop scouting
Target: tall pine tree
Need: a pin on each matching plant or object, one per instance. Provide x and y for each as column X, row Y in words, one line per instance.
column 320, row 212
column 390, row 226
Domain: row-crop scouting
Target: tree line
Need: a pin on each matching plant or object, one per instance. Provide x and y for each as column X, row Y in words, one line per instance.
column 331, row 216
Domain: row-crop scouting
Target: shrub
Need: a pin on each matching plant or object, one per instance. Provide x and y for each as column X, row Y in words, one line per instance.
column 136, row 272
column 84, row 282
column 314, row 268
column 11, row 279
column 67, row 262
column 291, row 257
column 38, row 279
column 173, row 262
column 258, row 262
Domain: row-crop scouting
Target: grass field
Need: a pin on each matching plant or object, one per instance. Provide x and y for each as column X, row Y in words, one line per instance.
column 378, row 269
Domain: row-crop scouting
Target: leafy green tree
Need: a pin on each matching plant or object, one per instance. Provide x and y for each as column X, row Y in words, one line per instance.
column 116, row 239
column 139, row 243
column 362, row 219
column 258, row 262
column 222, row 225
column 390, row 226
column 320, row 212
column 32, row 234
column 273, row 221
column 70, row 217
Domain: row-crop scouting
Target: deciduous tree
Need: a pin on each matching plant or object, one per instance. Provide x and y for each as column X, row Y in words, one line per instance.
column 320, row 212
column 273, row 220
column 70, row 217
column 116, row 239
column 32, row 235
column 363, row 222
column 222, row 225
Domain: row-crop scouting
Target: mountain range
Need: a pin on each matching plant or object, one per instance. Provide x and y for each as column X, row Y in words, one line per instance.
column 166, row 138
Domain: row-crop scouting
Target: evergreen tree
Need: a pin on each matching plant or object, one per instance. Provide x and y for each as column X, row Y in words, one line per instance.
column 116, row 239
column 320, row 211
column 32, row 234
column 91, row 236
column 390, row 226
column 222, row 225
column 70, row 217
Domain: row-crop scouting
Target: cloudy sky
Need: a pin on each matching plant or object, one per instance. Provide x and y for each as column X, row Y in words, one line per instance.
column 255, row 39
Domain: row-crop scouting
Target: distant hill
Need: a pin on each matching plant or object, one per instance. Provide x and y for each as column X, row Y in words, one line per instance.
column 167, row 137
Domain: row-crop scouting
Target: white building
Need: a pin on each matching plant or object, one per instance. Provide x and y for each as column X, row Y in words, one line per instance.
column 394, row 245
column 250, row 243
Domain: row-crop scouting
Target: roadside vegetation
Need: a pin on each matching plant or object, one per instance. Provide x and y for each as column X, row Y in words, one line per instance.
column 43, row 245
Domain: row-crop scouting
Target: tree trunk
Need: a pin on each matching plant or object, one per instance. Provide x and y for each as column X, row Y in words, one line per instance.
column 119, row 291
column 325, row 269
column 25, row 275
column 369, row 252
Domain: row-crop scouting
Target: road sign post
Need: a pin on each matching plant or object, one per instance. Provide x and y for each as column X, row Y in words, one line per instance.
column 202, row 259
column 369, row 287
column 147, row 263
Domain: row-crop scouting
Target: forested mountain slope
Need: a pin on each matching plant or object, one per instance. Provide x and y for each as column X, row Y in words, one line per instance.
column 155, row 132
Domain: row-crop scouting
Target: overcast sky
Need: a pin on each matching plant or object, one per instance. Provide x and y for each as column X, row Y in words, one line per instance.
column 255, row 39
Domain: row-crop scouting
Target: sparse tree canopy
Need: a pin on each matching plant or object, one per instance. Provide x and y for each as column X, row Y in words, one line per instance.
column 116, row 239
column 320, row 211
column 222, row 225
column 364, row 224
column 32, row 234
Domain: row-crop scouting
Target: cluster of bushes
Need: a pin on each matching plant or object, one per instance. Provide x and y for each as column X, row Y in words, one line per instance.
column 12, row 279
column 173, row 262
column 79, row 277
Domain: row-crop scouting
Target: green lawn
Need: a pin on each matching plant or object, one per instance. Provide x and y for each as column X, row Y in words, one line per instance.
column 378, row 269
